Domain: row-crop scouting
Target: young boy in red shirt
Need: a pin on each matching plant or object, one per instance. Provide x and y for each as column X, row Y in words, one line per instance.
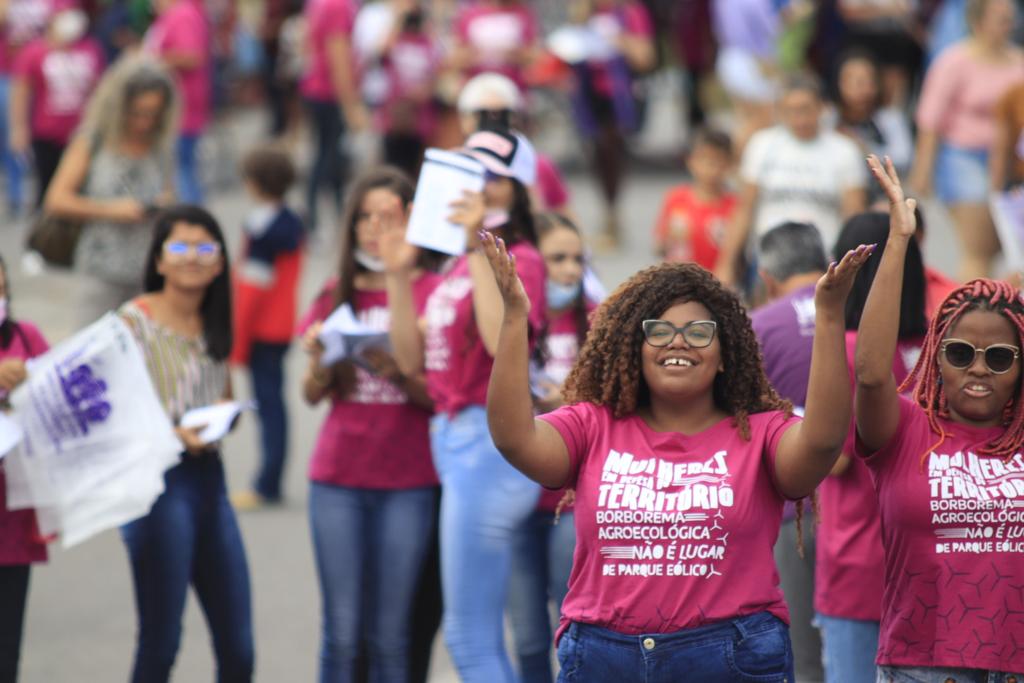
column 694, row 215
column 266, row 281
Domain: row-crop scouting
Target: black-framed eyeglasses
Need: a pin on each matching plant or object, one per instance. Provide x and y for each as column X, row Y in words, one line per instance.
column 960, row 354
column 696, row 333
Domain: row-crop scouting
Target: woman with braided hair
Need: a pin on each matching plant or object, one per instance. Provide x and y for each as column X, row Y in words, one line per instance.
column 681, row 455
column 948, row 470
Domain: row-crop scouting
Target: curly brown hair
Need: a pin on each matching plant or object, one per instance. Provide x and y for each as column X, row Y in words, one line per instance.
column 608, row 371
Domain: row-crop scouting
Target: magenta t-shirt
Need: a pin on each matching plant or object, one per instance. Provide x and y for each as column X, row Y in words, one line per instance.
column 953, row 531
column 849, row 568
column 494, row 30
column 374, row 438
column 183, row 28
column 457, row 364
column 60, row 81
column 672, row 531
column 631, row 19
column 325, row 19
column 25, row 21
column 19, row 534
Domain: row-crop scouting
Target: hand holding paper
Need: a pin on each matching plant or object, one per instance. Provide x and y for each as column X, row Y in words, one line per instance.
column 344, row 337
column 215, row 420
column 444, row 179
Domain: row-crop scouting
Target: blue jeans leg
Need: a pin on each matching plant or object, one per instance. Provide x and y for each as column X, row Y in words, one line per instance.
column 848, row 649
column 483, row 501
column 750, row 648
column 13, row 166
column 528, row 610
column 328, row 164
column 267, row 367
column 190, row 535
column 370, row 547
column 190, row 190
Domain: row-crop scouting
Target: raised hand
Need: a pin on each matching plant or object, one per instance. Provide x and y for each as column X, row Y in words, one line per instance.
column 902, row 221
column 469, row 211
column 834, row 286
column 398, row 255
column 503, row 265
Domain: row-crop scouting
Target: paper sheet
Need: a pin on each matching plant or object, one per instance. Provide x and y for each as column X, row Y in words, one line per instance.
column 10, row 434
column 443, row 178
column 217, row 419
column 344, row 336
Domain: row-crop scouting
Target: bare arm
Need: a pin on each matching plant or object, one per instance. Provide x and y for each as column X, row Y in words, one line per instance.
column 339, row 58
column 924, row 162
column 64, row 196
column 736, row 234
column 877, row 398
column 488, row 309
column 638, row 52
column 18, row 110
column 852, row 201
column 807, row 451
column 532, row 446
column 999, row 157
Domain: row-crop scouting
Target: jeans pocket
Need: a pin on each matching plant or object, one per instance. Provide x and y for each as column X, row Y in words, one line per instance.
column 762, row 656
column 569, row 657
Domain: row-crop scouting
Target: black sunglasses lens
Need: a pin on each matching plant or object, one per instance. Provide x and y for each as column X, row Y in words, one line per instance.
column 999, row 359
column 960, row 355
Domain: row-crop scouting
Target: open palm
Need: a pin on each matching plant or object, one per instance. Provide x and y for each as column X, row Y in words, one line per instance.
column 503, row 265
column 901, row 210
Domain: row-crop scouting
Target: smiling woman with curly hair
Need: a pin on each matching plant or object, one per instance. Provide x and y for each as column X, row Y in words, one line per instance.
column 682, row 456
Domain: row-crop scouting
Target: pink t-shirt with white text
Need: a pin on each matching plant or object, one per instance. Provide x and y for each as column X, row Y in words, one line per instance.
column 849, row 570
column 457, row 364
column 184, row 29
column 25, row 21
column 374, row 438
column 953, row 531
column 672, row 531
column 325, row 19
column 493, row 31
column 60, row 81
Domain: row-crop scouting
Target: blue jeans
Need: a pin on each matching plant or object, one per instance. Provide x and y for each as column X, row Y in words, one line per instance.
column 190, row 190
column 541, row 562
column 483, row 501
column 848, row 649
column 13, row 166
column 329, row 163
column 370, row 546
column 900, row 674
column 190, row 536
column 266, row 362
column 751, row 648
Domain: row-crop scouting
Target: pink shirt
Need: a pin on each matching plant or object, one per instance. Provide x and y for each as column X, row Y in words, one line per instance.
column 630, row 19
column 495, row 30
column 550, row 183
column 959, row 96
column 325, row 19
column 19, row 535
column 374, row 438
column 411, row 64
column 457, row 364
column 849, row 567
column 672, row 531
column 184, row 29
column 60, row 82
column 953, row 531
column 25, row 21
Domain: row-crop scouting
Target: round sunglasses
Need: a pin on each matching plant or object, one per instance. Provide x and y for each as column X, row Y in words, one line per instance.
column 697, row 333
column 960, row 354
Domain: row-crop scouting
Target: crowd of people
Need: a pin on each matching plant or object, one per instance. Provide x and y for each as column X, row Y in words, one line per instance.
column 789, row 450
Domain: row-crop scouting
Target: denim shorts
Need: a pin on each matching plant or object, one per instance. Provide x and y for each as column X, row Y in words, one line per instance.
column 754, row 648
column 961, row 175
column 902, row 674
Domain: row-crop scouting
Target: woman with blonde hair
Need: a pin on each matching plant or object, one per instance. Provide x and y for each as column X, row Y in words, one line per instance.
column 117, row 170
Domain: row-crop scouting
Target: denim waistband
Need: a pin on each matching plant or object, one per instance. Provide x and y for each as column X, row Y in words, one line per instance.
column 730, row 628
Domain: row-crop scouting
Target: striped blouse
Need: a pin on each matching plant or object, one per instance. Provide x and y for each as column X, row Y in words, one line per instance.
column 183, row 374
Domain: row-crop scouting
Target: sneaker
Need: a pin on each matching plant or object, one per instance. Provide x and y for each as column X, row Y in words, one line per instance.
column 247, row 501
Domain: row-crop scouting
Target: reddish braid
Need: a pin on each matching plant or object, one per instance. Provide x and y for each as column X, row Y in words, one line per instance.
column 983, row 294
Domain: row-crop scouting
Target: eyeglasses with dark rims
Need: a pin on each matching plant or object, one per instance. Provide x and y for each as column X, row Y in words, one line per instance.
column 697, row 334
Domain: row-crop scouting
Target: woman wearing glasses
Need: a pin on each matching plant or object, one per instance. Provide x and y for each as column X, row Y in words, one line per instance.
column 682, row 456
column 948, row 470
column 190, row 536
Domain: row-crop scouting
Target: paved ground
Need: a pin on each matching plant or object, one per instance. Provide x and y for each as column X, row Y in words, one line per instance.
column 80, row 624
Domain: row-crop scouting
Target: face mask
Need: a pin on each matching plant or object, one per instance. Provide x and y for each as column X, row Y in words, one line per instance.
column 69, row 26
column 495, row 218
column 561, row 296
column 368, row 261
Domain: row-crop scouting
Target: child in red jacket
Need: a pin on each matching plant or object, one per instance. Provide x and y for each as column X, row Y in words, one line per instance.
column 266, row 282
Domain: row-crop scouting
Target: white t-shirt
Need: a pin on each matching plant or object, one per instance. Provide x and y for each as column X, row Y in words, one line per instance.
column 800, row 180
